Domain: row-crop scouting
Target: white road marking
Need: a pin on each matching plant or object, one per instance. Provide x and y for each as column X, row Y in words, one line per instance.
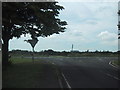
column 100, row 59
column 53, row 63
column 66, row 81
column 112, row 65
column 60, row 82
column 112, row 76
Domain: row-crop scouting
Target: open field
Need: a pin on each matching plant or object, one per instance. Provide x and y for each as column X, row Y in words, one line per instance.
column 51, row 53
column 67, row 55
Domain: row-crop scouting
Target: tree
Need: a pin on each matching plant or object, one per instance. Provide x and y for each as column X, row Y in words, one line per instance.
column 36, row 19
column 119, row 24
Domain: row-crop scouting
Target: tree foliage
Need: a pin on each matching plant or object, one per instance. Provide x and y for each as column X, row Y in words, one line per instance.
column 119, row 24
column 37, row 19
column 34, row 18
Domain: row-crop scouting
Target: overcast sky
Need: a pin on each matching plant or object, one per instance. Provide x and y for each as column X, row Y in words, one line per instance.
column 91, row 25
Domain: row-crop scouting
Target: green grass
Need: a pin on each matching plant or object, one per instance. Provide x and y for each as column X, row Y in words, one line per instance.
column 92, row 55
column 24, row 74
column 20, row 60
column 72, row 55
column 116, row 62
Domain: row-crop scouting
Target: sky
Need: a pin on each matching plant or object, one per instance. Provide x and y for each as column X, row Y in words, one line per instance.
column 91, row 26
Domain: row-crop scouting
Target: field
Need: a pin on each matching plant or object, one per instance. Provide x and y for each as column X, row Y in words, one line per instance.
column 49, row 53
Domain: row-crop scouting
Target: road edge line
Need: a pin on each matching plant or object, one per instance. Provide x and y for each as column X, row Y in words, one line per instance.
column 110, row 63
column 60, row 82
column 58, row 76
column 66, row 81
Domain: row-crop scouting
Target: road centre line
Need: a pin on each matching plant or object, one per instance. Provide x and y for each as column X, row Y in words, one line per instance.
column 66, row 81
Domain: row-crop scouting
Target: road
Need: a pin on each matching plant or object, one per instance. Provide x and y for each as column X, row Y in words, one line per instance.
column 85, row 72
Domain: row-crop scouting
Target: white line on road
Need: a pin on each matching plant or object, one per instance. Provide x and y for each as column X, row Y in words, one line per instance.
column 53, row 63
column 110, row 63
column 66, row 81
column 60, row 82
column 112, row 76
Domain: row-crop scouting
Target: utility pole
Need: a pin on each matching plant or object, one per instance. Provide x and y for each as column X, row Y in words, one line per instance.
column 72, row 48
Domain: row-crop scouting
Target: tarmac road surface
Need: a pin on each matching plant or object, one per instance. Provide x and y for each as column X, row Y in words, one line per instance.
column 86, row 72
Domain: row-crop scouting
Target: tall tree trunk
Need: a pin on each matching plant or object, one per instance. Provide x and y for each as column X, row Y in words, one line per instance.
column 5, row 52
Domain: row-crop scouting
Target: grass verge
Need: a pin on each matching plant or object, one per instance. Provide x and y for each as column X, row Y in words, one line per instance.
column 24, row 74
column 116, row 62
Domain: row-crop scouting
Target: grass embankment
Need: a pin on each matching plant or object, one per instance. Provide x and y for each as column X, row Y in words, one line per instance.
column 116, row 62
column 24, row 74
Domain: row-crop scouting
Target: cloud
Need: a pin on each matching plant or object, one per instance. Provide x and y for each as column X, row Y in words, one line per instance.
column 107, row 35
column 108, row 38
column 93, row 22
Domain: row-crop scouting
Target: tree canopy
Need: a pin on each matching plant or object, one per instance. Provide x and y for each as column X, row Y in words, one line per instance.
column 34, row 18
column 37, row 19
column 119, row 25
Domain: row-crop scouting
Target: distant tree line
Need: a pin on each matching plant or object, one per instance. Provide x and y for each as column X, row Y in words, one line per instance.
column 51, row 52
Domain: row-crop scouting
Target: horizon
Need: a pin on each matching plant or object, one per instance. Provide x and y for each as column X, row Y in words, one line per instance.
column 64, row 50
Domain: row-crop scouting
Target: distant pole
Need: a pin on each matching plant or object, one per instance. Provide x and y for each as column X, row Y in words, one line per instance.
column 72, row 47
